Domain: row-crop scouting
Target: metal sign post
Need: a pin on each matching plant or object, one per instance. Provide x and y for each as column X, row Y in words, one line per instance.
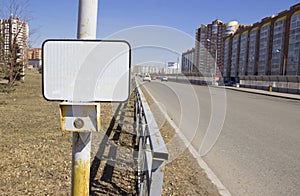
column 82, row 73
column 81, row 141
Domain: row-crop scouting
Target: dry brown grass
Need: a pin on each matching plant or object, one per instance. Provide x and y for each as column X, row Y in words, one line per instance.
column 35, row 154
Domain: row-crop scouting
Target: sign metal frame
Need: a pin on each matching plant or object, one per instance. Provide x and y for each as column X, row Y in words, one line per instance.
column 83, row 41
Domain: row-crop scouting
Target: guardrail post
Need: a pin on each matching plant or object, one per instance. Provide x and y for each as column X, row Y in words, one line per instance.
column 158, row 167
column 141, row 155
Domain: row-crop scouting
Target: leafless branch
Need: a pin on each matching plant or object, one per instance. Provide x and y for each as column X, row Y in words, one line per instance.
column 16, row 8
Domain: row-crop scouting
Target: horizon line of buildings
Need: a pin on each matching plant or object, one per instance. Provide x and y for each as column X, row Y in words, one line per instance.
column 168, row 68
column 270, row 47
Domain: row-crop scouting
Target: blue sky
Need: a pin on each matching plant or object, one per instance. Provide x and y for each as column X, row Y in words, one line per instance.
column 58, row 18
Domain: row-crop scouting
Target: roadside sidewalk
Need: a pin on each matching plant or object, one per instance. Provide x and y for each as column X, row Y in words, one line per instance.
column 262, row 92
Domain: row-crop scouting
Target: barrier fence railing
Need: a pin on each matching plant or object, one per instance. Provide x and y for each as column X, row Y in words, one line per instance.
column 284, row 84
column 152, row 152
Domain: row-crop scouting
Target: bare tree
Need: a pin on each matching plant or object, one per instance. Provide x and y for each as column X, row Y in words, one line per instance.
column 14, row 57
column 17, row 8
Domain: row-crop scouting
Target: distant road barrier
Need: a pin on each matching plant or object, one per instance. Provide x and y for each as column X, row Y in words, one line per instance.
column 283, row 84
column 152, row 152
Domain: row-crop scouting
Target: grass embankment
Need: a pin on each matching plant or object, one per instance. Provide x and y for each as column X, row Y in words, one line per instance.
column 35, row 154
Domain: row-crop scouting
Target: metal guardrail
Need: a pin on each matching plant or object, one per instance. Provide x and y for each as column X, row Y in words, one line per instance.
column 152, row 153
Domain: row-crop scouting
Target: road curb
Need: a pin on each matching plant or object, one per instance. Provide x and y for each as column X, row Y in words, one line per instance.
column 286, row 96
column 210, row 174
column 258, row 93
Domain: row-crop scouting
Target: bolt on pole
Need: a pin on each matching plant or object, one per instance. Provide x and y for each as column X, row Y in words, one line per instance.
column 81, row 142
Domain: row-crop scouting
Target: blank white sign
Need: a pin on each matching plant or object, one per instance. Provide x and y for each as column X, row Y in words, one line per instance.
column 86, row 70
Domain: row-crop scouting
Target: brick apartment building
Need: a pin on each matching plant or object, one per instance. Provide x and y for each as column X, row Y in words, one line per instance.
column 208, row 44
column 266, row 53
column 35, row 53
column 258, row 55
column 34, row 57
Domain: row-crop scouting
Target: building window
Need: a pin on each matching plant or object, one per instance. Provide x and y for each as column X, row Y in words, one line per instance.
column 294, row 44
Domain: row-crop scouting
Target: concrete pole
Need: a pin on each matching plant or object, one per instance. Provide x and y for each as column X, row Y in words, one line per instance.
column 87, row 19
column 81, row 142
column 81, row 149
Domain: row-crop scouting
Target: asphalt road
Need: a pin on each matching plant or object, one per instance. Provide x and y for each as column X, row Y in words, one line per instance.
column 250, row 141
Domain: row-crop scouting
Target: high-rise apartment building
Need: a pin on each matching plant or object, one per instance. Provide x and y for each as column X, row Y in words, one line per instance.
column 34, row 57
column 187, row 61
column 269, row 47
column 227, row 57
column 253, row 49
column 262, row 54
column 209, row 43
column 265, row 49
column 235, row 56
column 200, row 49
column 293, row 52
column 215, row 44
column 14, row 33
column 266, row 53
column 231, row 28
column 279, row 43
column 35, row 53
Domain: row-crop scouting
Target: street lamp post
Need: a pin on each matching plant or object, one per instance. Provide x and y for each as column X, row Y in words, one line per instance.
column 216, row 55
column 284, row 61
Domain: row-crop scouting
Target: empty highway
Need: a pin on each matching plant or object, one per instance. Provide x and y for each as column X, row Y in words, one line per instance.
column 250, row 141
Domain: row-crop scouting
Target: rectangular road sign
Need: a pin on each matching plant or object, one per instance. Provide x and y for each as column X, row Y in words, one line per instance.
column 86, row 70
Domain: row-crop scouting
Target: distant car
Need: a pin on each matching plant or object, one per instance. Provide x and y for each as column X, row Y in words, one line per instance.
column 236, row 85
column 165, row 78
column 154, row 78
column 230, row 83
column 147, row 78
